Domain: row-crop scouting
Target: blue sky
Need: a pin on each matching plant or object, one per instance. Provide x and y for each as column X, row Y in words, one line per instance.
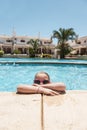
column 29, row 17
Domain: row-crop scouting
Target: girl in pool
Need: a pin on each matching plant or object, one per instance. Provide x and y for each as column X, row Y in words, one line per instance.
column 42, row 85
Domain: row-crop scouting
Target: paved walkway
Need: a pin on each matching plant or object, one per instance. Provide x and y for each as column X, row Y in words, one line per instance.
column 38, row 112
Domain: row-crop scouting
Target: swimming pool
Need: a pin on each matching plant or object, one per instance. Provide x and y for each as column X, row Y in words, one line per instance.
column 41, row 60
column 74, row 76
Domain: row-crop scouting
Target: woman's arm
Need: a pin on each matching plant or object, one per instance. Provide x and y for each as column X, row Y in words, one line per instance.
column 55, row 86
column 28, row 89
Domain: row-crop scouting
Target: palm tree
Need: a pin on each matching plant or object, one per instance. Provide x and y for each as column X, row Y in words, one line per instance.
column 63, row 35
column 35, row 45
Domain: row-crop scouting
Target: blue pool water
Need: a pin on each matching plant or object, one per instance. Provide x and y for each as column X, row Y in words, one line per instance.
column 11, row 75
column 41, row 60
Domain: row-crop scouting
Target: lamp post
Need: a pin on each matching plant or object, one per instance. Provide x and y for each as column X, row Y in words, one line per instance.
column 13, row 39
column 40, row 42
column 86, row 49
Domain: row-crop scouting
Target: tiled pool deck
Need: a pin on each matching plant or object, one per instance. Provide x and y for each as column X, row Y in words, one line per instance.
column 38, row 112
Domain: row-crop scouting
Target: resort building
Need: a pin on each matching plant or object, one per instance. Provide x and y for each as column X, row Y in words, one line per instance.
column 20, row 43
column 46, row 45
column 80, row 46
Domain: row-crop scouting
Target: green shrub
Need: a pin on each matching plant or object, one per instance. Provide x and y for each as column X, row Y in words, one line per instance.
column 46, row 56
column 17, row 52
column 1, row 53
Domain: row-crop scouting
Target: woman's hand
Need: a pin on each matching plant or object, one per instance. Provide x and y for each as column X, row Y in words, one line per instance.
column 47, row 91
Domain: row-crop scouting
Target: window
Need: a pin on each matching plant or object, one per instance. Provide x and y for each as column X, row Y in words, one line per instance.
column 22, row 40
column 78, row 42
column 8, row 40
